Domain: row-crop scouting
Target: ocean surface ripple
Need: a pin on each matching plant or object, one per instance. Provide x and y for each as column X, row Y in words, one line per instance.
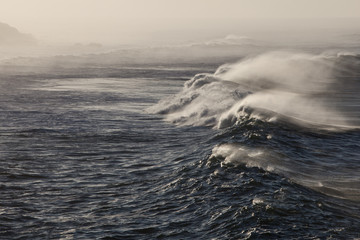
column 162, row 158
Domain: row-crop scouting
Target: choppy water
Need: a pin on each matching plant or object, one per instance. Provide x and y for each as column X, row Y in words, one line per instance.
column 100, row 158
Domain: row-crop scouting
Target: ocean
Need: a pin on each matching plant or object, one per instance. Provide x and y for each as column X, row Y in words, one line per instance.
column 266, row 146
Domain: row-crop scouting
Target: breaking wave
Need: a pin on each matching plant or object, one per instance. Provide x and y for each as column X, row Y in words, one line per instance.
column 276, row 86
column 299, row 95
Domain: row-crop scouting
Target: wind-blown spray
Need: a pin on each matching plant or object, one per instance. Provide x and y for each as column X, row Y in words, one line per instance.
column 281, row 84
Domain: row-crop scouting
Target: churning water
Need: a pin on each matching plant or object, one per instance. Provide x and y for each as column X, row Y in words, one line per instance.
column 265, row 148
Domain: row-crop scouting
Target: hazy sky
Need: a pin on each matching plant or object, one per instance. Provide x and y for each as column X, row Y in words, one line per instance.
column 124, row 21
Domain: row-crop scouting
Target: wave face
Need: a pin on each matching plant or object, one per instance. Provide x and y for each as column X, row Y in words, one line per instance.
column 257, row 100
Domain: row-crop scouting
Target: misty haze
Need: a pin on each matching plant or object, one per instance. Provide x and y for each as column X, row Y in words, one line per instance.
column 156, row 119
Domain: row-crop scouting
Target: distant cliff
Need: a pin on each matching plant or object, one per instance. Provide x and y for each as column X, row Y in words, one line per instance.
column 10, row 36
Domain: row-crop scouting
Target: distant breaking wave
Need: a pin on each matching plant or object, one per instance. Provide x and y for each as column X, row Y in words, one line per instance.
column 276, row 86
column 229, row 40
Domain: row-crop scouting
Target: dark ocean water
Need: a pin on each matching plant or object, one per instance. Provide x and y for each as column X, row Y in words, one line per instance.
column 102, row 158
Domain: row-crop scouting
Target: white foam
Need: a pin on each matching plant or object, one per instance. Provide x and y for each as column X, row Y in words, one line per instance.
column 234, row 154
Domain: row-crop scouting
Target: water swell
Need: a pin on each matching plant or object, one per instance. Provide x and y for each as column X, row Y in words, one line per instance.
column 322, row 174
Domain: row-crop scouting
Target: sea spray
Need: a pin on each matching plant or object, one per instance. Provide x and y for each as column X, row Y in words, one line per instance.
column 295, row 86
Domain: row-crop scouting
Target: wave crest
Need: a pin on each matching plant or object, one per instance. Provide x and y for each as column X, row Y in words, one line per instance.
column 297, row 86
